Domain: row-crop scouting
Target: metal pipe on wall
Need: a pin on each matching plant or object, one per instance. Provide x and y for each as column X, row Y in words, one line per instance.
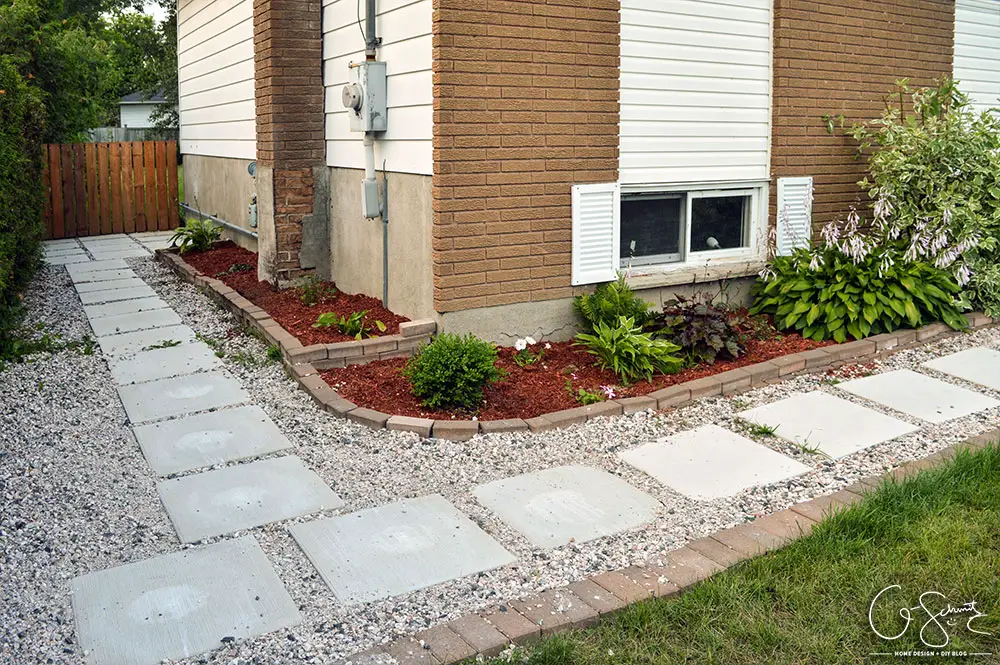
column 220, row 222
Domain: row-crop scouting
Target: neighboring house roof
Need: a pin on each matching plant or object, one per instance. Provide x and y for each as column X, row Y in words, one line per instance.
column 140, row 98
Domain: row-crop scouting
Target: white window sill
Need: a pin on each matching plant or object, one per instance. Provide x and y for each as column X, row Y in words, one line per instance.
column 650, row 277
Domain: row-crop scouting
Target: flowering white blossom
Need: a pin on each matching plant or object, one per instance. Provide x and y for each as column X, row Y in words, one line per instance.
column 547, row 346
column 609, row 391
column 521, row 344
column 530, row 340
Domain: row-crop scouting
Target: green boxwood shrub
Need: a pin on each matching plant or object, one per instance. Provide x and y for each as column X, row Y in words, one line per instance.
column 452, row 371
column 21, row 194
column 824, row 294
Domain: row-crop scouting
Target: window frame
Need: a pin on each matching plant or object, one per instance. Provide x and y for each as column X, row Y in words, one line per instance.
column 756, row 191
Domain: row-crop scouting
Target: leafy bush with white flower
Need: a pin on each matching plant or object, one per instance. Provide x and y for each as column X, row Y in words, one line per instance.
column 935, row 190
column 525, row 355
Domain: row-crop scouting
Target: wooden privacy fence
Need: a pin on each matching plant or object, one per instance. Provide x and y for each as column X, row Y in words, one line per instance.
column 101, row 188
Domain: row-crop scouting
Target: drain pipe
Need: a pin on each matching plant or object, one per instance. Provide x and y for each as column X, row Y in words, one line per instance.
column 371, row 39
column 385, row 237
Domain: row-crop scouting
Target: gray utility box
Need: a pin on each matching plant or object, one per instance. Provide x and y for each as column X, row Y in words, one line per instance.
column 365, row 96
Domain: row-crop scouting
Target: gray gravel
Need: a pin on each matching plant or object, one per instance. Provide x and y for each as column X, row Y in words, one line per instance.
column 73, row 479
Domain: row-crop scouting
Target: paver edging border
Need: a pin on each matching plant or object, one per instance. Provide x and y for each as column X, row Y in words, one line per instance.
column 305, row 362
column 487, row 633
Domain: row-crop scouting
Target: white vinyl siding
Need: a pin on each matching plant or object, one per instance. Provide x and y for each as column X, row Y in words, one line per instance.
column 405, row 29
column 695, row 91
column 216, row 78
column 977, row 51
column 596, row 233
column 794, row 214
column 136, row 115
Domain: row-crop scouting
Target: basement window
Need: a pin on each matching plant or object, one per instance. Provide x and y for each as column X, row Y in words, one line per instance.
column 678, row 227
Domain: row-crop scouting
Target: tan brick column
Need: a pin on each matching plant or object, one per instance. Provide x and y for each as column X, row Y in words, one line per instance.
column 525, row 106
column 292, row 198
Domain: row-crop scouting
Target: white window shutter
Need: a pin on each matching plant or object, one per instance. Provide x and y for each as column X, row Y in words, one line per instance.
column 794, row 214
column 596, row 233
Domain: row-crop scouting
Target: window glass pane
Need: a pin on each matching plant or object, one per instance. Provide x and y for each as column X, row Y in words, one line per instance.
column 719, row 222
column 651, row 229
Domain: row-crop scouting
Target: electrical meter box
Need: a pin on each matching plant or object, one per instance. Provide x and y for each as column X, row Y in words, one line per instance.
column 364, row 97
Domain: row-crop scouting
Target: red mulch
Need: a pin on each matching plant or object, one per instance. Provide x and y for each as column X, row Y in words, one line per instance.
column 537, row 389
column 284, row 306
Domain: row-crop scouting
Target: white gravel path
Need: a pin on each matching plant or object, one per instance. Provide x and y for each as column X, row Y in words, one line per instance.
column 76, row 494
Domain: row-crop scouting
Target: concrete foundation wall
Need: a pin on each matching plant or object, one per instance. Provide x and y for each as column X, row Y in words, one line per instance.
column 356, row 242
column 555, row 320
column 221, row 186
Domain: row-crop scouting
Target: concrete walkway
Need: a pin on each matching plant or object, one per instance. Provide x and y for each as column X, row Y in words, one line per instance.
column 187, row 413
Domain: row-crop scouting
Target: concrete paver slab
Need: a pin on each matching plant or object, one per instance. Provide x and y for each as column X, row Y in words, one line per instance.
column 61, row 242
column 182, row 395
column 93, row 266
column 123, row 307
column 836, row 426
column 102, row 275
column 227, row 435
column 124, row 283
column 919, row 395
column 132, row 321
column 113, row 295
column 180, row 604
column 67, row 259
column 240, row 497
column 711, row 462
column 400, row 547
column 553, row 506
column 144, row 340
column 123, row 253
column 977, row 365
column 163, row 363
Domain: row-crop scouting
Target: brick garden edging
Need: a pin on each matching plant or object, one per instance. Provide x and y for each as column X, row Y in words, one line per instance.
column 305, row 362
column 581, row 604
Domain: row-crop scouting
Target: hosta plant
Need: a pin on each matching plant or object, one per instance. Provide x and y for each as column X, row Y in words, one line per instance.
column 703, row 330
column 629, row 352
column 353, row 326
column 196, row 235
column 608, row 303
column 453, row 371
column 824, row 293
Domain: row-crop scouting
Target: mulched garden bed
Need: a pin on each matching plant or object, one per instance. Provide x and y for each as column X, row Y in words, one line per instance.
column 537, row 389
column 237, row 268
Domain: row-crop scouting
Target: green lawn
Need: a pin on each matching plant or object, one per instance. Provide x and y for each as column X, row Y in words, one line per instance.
column 809, row 602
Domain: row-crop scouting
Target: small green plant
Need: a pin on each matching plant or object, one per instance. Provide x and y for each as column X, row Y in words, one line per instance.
column 582, row 395
column 245, row 358
column 274, row 353
column 165, row 344
column 236, row 268
column 353, row 326
column 196, row 235
column 313, row 289
column 629, row 352
column 702, row 330
column 452, row 371
column 609, row 303
column 524, row 355
column 826, row 294
column 760, row 430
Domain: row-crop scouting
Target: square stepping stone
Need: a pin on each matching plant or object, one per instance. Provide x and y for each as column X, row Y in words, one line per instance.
column 180, row 396
column 129, row 343
column 977, row 365
column 102, row 275
column 397, row 548
column 67, row 259
column 836, row 426
column 112, row 295
column 240, row 497
column 163, row 363
column 93, row 266
column 125, row 283
column 227, row 435
column 179, row 605
column 123, row 307
column 132, row 321
column 554, row 506
column 919, row 395
column 711, row 463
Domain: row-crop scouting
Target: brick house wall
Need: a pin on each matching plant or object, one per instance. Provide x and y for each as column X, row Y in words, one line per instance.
column 291, row 152
column 525, row 105
column 844, row 57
